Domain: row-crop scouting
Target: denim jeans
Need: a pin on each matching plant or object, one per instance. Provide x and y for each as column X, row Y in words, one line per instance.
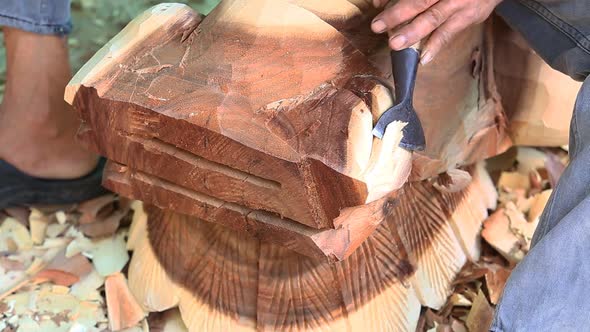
column 550, row 289
column 49, row 17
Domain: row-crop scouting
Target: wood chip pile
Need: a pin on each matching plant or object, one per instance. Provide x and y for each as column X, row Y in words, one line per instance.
column 524, row 179
column 64, row 268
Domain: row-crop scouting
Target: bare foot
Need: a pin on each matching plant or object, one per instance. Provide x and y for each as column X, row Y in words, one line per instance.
column 37, row 128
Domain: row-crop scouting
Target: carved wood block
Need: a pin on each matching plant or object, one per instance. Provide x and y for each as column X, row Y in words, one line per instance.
column 269, row 106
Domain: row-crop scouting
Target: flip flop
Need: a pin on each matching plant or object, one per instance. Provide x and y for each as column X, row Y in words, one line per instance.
column 18, row 188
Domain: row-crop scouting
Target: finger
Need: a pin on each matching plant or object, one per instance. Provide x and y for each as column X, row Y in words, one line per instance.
column 401, row 12
column 423, row 25
column 442, row 37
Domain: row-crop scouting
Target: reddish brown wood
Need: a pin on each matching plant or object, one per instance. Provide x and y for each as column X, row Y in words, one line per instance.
column 277, row 121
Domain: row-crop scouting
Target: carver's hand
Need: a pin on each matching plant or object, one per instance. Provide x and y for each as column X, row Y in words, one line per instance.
column 441, row 19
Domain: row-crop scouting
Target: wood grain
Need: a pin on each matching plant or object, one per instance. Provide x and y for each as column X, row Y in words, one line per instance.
column 224, row 279
column 291, row 291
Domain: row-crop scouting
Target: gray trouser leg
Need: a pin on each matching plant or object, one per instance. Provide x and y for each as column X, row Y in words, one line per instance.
column 550, row 289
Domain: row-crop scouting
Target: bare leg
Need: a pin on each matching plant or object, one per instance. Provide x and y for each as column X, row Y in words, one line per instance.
column 37, row 128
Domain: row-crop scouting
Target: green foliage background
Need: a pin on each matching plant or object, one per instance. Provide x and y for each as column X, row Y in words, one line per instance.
column 97, row 21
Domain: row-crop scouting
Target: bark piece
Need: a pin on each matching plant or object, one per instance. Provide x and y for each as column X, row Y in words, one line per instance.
column 554, row 168
column 104, row 226
column 481, row 314
column 96, row 208
column 123, row 309
column 77, row 265
column 56, row 277
column 64, row 271
column 495, row 282
column 539, row 201
column 498, row 234
column 19, row 213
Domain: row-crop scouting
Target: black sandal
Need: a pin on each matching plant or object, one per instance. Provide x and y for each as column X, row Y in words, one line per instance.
column 18, row 188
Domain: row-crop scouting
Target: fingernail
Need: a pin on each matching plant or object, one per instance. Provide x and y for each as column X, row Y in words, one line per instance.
column 378, row 26
column 426, row 58
column 397, row 42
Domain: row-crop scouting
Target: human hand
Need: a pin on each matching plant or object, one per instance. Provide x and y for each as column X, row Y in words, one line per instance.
column 441, row 19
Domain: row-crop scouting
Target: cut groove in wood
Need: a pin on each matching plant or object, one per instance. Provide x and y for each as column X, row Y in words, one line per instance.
column 354, row 224
column 165, row 148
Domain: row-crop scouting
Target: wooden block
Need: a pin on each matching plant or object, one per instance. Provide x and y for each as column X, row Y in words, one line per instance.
column 257, row 119
column 286, row 130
